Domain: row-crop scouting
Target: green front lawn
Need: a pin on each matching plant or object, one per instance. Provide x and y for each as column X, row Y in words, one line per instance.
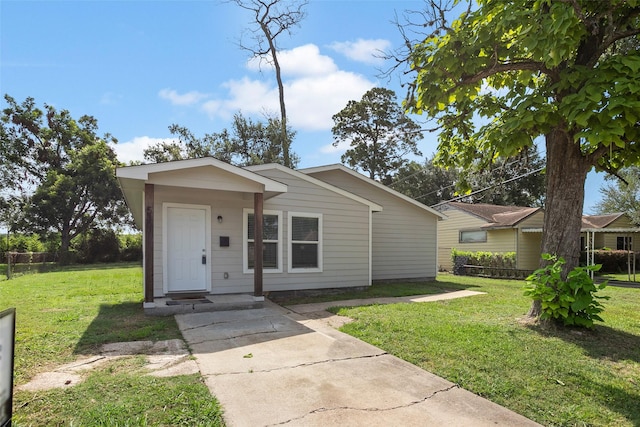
column 553, row 376
column 69, row 313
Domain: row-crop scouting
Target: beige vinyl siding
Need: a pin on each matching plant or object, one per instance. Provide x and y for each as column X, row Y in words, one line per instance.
column 345, row 235
column 498, row 240
column 533, row 221
column 528, row 253
column 529, row 244
column 610, row 240
column 403, row 237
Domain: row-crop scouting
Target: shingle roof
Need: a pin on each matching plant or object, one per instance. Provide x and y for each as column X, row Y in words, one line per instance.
column 508, row 216
column 599, row 221
column 496, row 216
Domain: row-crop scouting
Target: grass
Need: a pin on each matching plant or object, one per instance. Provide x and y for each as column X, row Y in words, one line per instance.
column 377, row 290
column 559, row 377
column 622, row 277
column 64, row 314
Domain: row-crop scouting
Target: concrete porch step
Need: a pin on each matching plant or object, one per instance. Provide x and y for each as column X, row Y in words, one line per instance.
column 169, row 306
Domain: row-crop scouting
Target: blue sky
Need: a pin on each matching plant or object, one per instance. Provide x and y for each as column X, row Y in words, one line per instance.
column 139, row 66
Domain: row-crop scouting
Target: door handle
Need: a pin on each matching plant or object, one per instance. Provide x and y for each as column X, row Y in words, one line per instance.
column 204, row 259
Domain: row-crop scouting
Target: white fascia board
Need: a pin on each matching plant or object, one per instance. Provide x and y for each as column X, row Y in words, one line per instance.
column 141, row 172
column 372, row 205
column 375, row 184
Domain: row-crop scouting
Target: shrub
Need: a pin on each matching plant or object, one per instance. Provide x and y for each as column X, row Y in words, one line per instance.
column 571, row 301
column 25, row 243
column 487, row 259
column 131, row 247
column 97, row 245
column 613, row 261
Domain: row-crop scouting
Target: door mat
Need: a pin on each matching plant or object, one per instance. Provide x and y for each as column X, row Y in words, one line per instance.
column 189, row 301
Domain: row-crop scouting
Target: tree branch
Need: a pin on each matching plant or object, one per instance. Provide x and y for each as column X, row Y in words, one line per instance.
column 504, row 67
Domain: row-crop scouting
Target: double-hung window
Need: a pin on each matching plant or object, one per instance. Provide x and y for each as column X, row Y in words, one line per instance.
column 271, row 241
column 305, row 242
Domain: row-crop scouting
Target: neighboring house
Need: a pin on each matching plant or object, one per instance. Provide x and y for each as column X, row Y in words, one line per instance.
column 492, row 228
column 612, row 231
column 201, row 236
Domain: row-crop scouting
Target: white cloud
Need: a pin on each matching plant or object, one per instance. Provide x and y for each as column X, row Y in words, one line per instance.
column 110, row 98
column 132, row 150
column 315, row 90
column 340, row 148
column 303, row 60
column 311, row 102
column 361, row 50
column 188, row 98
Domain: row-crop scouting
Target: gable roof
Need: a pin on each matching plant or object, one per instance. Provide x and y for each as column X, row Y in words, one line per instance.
column 373, row 183
column 496, row 216
column 599, row 221
column 204, row 173
column 275, row 166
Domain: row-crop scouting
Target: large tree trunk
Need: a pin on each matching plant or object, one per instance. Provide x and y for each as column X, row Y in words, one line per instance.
column 566, row 174
column 65, row 242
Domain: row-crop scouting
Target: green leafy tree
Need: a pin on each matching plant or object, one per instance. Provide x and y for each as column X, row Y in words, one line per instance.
column 248, row 143
column 506, row 72
column 623, row 195
column 379, row 132
column 516, row 181
column 62, row 171
column 426, row 183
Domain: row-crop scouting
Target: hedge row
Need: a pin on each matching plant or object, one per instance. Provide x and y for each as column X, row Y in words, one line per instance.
column 612, row 261
column 487, row 259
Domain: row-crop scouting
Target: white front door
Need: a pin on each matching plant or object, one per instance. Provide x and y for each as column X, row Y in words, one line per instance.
column 186, row 249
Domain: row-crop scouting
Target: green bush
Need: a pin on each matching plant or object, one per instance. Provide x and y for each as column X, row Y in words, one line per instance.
column 487, row 259
column 25, row 243
column 612, row 261
column 130, row 247
column 97, row 245
column 571, row 301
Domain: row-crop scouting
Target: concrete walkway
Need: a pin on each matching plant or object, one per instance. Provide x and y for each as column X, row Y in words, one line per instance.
column 273, row 366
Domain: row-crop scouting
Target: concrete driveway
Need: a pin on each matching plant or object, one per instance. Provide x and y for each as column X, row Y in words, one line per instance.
column 273, row 366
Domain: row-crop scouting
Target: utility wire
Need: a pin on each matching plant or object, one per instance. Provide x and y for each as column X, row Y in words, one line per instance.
column 423, row 169
column 487, row 188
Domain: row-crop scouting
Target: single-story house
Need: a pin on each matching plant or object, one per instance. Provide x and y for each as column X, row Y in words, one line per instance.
column 213, row 228
column 613, row 231
column 492, row 228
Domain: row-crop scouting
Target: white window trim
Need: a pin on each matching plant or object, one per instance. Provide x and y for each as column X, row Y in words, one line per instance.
column 290, row 243
column 245, row 241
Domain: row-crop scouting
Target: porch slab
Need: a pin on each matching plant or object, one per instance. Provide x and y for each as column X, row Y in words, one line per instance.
column 170, row 306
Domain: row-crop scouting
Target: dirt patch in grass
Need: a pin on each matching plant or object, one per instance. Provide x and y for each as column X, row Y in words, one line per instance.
column 161, row 358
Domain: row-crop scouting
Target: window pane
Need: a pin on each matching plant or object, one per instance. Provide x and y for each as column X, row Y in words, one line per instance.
column 269, row 255
column 269, row 227
column 304, row 229
column 304, row 255
column 251, row 226
column 623, row 243
column 473, row 236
